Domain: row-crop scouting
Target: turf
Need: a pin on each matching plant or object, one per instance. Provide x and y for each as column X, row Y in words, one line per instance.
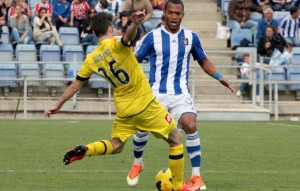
column 235, row 156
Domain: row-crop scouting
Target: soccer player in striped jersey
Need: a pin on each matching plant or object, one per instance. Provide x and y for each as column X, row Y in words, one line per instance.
column 137, row 107
column 289, row 27
column 169, row 48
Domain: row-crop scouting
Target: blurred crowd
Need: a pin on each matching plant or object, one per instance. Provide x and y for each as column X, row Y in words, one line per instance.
column 30, row 21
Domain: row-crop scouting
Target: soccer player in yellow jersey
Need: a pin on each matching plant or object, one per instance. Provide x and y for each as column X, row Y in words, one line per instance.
column 137, row 107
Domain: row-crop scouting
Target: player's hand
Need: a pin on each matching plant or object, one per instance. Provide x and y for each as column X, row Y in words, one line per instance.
column 225, row 83
column 138, row 16
column 51, row 110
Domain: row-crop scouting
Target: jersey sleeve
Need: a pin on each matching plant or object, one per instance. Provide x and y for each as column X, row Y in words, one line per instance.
column 145, row 46
column 197, row 50
column 85, row 71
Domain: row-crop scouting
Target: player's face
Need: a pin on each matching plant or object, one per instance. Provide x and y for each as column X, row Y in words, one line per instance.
column 174, row 14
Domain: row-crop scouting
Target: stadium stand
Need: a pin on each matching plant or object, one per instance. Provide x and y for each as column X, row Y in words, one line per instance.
column 73, row 53
column 278, row 15
column 7, row 70
column 5, row 35
column 278, row 74
column 156, row 17
column 239, row 34
column 296, row 55
column 51, row 53
column 69, row 35
column 293, row 74
column 27, row 53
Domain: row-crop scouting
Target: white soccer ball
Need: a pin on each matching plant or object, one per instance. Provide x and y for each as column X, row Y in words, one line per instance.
column 163, row 180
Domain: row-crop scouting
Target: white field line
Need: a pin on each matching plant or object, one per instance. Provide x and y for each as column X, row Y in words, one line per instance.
column 126, row 171
column 283, row 124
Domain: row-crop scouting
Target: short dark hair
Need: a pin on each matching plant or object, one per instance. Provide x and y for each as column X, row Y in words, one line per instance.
column 100, row 23
column 175, row 2
column 293, row 10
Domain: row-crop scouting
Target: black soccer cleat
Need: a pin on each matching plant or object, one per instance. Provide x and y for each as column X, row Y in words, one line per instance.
column 74, row 154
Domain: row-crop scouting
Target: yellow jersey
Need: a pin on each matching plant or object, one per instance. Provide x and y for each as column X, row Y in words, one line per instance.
column 117, row 64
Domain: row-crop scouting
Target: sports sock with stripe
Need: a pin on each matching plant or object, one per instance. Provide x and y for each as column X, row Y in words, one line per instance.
column 194, row 150
column 103, row 147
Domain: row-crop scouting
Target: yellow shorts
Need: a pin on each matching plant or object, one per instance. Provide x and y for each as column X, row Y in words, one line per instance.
column 155, row 119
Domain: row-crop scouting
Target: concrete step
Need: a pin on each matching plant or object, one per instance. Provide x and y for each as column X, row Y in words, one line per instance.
column 240, row 112
column 207, row 16
column 211, row 97
column 214, row 44
column 217, row 60
column 215, row 88
column 199, row 24
column 200, row 7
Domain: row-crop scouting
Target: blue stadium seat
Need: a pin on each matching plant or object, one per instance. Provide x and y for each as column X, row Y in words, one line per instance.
column 32, row 3
column 51, row 53
column 90, row 48
column 5, row 35
column 293, row 74
column 27, row 53
column 73, row 53
column 239, row 34
column 156, row 17
column 255, row 16
column 69, row 35
column 7, row 70
column 278, row 74
column 278, row 15
column 296, row 55
column 225, row 4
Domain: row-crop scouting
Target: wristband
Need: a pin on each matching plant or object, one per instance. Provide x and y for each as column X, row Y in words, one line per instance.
column 217, row 75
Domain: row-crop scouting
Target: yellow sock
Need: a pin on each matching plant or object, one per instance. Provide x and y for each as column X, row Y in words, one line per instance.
column 176, row 164
column 99, row 148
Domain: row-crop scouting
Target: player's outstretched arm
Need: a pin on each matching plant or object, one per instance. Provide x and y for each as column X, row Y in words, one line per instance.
column 137, row 18
column 68, row 93
column 210, row 69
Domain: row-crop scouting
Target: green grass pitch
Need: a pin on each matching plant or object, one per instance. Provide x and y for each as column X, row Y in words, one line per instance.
column 235, row 156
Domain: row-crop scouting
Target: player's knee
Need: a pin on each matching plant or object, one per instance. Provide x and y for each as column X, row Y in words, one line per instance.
column 118, row 146
column 189, row 127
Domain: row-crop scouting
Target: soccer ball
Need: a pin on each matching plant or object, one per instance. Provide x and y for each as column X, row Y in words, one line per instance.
column 163, row 180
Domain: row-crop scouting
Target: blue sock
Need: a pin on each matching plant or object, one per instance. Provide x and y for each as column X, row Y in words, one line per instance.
column 139, row 141
column 194, row 150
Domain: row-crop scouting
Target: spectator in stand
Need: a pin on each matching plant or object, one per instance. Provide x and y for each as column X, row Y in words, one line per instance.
column 239, row 15
column 21, row 29
column 245, row 75
column 262, row 3
column 45, row 4
column 8, row 4
column 296, row 3
column 102, row 6
column 114, row 7
column 158, row 4
column 87, row 34
column 271, row 41
column 278, row 5
column 266, row 21
column 124, row 20
column 25, row 9
column 43, row 29
column 2, row 17
column 138, row 5
column 289, row 27
column 61, row 13
column 79, row 11
column 120, row 31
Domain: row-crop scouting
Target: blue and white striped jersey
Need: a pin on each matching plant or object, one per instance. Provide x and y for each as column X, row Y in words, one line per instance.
column 170, row 58
column 289, row 26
